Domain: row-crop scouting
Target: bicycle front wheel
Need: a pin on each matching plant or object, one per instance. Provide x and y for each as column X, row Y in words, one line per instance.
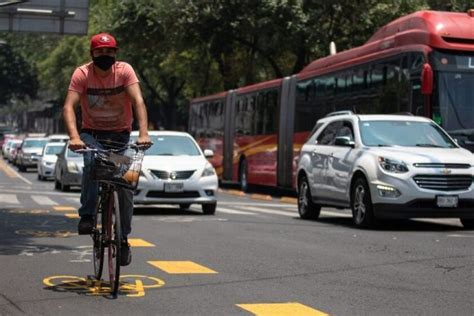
column 114, row 231
column 98, row 238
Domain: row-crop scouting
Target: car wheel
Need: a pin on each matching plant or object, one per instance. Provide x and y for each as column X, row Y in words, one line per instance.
column 209, row 209
column 244, row 185
column 306, row 207
column 468, row 223
column 184, row 206
column 361, row 204
column 40, row 177
column 21, row 168
column 65, row 188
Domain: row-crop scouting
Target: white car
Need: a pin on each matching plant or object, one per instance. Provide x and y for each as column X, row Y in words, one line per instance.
column 10, row 146
column 385, row 166
column 176, row 171
column 47, row 161
column 29, row 152
column 58, row 138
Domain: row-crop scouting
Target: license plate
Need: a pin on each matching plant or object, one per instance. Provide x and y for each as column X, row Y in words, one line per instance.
column 174, row 187
column 447, row 200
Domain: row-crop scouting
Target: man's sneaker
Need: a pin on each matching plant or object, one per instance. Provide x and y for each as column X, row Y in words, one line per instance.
column 125, row 253
column 85, row 225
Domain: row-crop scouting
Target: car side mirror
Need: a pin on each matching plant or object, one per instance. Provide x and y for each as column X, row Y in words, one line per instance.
column 208, row 153
column 344, row 141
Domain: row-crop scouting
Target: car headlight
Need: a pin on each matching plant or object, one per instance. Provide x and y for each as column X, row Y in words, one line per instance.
column 72, row 167
column 208, row 170
column 392, row 165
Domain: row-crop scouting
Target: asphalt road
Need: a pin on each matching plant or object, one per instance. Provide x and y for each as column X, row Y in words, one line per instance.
column 254, row 257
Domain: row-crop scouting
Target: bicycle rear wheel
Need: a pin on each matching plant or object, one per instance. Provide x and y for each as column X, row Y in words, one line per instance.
column 98, row 237
column 114, row 232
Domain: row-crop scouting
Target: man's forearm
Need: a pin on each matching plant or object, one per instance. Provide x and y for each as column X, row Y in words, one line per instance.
column 142, row 117
column 70, row 122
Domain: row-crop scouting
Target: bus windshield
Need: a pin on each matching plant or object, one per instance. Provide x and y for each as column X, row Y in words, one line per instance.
column 454, row 107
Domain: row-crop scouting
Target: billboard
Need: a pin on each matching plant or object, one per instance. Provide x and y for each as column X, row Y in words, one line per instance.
column 45, row 16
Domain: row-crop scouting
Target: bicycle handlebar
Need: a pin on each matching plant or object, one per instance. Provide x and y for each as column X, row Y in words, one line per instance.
column 91, row 148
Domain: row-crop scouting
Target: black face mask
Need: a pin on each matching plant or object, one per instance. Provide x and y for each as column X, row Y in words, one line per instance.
column 104, row 62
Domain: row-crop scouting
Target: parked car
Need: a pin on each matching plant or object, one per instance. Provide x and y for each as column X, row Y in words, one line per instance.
column 57, row 138
column 29, row 152
column 176, row 171
column 47, row 162
column 68, row 169
column 385, row 166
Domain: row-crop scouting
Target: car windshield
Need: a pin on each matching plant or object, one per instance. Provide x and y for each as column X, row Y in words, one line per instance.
column 34, row 143
column 172, row 145
column 53, row 150
column 403, row 133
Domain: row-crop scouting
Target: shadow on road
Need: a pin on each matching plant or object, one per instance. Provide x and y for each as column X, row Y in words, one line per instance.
column 21, row 229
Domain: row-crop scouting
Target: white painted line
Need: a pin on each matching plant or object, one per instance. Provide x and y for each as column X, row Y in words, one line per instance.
column 231, row 211
column 19, row 175
column 62, row 194
column 279, row 205
column 443, row 221
column 267, row 211
column 335, row 214
column 76, row 200
column 43, row 200
column 9, row 199
column 461, row 236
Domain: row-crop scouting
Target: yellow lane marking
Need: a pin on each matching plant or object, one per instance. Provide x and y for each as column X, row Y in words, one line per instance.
column 289, row 200
column 181, row 267
column 72, row 215
column 137, row 242
column 236, row 192
column 281, row 309
column 8, row 171
column 261, row 197
column 64, row 208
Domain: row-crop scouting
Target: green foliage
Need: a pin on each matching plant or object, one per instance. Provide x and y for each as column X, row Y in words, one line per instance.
column 18, row 78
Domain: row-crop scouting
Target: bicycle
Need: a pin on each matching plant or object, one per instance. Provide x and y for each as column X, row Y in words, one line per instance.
column 112, row 168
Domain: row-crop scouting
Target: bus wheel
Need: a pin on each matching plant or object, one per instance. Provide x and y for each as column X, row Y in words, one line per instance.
column 244, row 186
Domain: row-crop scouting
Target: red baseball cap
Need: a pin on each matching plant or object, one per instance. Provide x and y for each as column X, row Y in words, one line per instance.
column 103, row 40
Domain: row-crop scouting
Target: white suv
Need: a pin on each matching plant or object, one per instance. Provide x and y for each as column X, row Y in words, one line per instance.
column 385, row 166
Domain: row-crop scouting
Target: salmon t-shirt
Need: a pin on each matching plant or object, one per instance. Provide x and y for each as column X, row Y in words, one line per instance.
column 105, row 104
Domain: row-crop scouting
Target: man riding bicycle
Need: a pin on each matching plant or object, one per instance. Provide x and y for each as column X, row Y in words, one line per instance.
column 106, row 90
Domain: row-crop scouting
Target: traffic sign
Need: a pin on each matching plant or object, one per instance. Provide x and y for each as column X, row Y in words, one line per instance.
column 45, row 16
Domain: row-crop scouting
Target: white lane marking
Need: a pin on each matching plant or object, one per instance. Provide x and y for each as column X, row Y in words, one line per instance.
column 9, row 199
column 335, row 214
column 43, row 200
column 40, row 192
column 444, row 221
column 267, row 211
column 231, row 211
column 19, row 175
column 461, row 236
column 76, row 200
column 258, row 204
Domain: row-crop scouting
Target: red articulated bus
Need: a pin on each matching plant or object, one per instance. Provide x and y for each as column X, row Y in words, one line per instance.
column 422, row 63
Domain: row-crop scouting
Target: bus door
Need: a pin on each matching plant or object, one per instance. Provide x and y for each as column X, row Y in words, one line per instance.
column 286, row 123
column 229, row 132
